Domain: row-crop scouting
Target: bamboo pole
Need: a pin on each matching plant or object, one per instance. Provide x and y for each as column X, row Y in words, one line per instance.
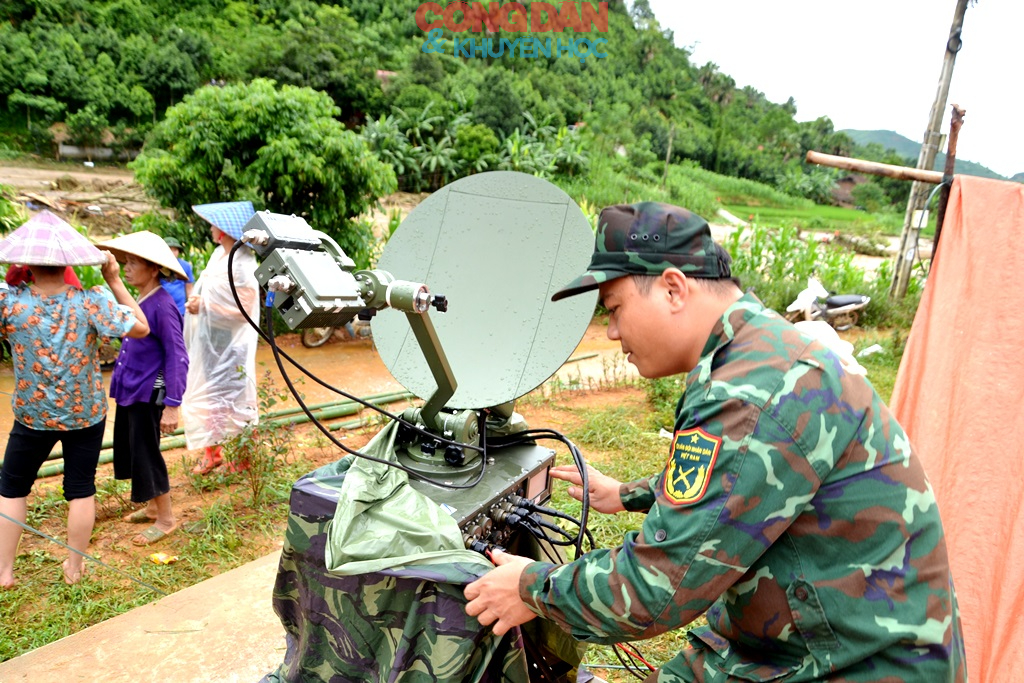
column 329, row 411
column 929, row 149
column 57, row 468
column 874, row 167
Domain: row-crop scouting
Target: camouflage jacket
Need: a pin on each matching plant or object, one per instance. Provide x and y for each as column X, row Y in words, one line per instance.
column 792, row 511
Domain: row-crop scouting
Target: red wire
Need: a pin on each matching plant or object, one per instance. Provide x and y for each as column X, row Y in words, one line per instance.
column 632, row 652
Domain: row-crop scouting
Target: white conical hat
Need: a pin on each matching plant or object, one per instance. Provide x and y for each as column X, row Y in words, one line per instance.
column 145, row 245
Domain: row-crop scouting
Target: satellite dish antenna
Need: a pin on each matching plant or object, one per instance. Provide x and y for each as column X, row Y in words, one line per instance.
column 497, row 245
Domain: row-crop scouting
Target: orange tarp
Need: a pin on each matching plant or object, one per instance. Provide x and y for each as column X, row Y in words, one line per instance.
column 960, row 396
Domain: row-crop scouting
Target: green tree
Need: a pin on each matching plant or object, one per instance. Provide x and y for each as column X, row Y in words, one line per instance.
column 47, row 109
column 475, row 145
column 388, row 141
column 869, row 196
column 499, row 106
column 140, row 103
column 86, row 127
column 17, row 58
column 168, row 70
column 327, row 50
column 282, row 148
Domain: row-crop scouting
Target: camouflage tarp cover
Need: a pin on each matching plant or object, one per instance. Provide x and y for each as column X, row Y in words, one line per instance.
column 396, row 623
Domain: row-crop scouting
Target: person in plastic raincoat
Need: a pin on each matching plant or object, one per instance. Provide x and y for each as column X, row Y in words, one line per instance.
column 220, row 399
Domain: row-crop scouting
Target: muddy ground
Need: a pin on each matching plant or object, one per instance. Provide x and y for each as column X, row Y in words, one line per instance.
column 106, row 198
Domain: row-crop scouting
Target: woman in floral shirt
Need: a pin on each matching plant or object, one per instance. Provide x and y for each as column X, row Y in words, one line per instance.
column 55, row 331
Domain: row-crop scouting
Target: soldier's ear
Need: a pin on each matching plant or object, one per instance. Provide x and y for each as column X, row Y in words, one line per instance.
column 676, row 287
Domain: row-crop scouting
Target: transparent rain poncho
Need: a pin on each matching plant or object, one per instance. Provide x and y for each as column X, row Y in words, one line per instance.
column 220, row 399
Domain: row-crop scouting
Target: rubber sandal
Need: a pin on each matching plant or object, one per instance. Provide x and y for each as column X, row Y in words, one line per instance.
column 152, row 535
column 139, row 517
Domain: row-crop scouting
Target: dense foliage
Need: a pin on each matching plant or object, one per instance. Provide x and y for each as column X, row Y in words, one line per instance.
column 114, row 68
column 281, row 148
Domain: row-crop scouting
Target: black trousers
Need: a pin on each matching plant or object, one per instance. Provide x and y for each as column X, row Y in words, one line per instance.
column 27, row 449
column 137, row 453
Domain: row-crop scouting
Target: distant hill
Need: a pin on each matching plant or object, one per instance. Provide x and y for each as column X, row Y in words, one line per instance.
column 911, row 150
column 1018, row 178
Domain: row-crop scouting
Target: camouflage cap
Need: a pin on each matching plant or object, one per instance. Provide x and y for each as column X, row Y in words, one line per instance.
column 646, row 239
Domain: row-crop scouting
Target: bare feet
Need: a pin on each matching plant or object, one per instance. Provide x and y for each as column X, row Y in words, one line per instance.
column 8, row 583
column 72, row 575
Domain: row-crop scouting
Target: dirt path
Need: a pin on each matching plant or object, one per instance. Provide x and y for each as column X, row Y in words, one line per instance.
column 42, row 179
column 105, row 199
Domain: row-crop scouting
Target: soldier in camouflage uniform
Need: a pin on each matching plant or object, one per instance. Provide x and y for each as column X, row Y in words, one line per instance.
column 791, row 510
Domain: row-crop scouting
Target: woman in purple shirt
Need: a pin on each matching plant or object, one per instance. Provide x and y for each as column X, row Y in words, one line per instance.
column 148, row 382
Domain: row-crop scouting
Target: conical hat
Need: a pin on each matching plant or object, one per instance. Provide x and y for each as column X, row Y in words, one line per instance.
column 145, row 245
column 46, row 240
column 228, row 217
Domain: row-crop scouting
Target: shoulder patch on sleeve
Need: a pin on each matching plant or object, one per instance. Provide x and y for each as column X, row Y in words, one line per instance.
column 688, row 471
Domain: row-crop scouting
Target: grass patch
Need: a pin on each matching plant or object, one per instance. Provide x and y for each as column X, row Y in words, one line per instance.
column 234, row 536
column 739, row 191
column 827, row 219
column 883, row 365
column 614, row 180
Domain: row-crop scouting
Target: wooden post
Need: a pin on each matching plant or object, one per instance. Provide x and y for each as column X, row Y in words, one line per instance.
column 929, row 148
column 947, row 178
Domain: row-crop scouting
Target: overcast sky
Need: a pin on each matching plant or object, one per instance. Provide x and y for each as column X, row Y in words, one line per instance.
column 870, row 65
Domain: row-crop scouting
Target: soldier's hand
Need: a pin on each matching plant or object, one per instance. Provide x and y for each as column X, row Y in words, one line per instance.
column 494, row 597
column 604, row 491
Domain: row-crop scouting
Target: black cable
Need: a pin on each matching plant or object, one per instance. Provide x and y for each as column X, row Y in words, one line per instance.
column 635, row 656
column 552, row 527
column 413, row 473
column 628, row 666
column 539, row 534
column 234, row 293
column 268, row 335
column 581, row 466
column 541, row 538
column 560, row 515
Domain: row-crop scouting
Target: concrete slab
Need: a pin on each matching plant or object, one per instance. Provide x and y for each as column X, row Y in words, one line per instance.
column 223, row 629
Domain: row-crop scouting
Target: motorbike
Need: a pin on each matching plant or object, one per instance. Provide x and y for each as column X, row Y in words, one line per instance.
column 841, row 311
column 313, row 337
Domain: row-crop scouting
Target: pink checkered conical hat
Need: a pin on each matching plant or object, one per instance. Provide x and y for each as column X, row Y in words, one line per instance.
column 46, row 240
